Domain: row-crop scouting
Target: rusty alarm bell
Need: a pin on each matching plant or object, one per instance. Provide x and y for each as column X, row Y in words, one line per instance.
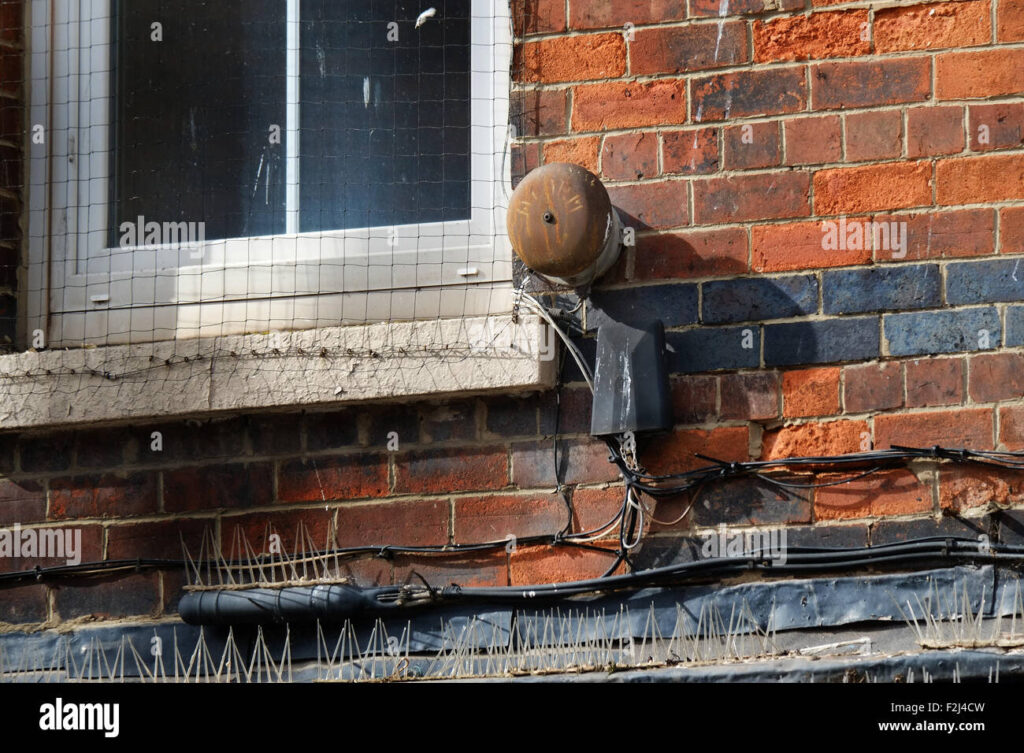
column 562, row 224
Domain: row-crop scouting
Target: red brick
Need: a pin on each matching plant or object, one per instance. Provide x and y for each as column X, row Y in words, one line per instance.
column 715, row 8
column 540, row 112
column 584, row 14
column 778, row 248
column 676, row 453
column 11, row 20
column 973, row 75
column 11, row 124
column 725, row 96
column 935, row 381
column 933, row 26
column 537, row 565
column 692, row 254
column 583, row 152
column 1010, row 21
column 820, row 35
column 631, row 156
column 893, row 492
column 964, row 487
column 415, row 522
column 694, row 398
column 471, row 569
column 538, row 16
column 524, row 158
column 219, row 486
column 11, row 70
column 161, row 540
column 997, row 126
column 872, row 387
column 368, row 572
column 454, row 470
column 752, row 145
column 852, row 190
column 333, row 478
column 815, row 439
column 494, row 517
column 870, row 83
column 599, row 107
column 934, row 130
column 672, row 513
column 812, row 141
column 125, row 596
column 1011, row 230
column 297, row 530
column 25, row 604
column 21, row 501
column 86, row 541
column 969, row 427
column 680, row 49
column 692, row 152
column 874, row 135
column 968, row 180
column 1011, row 427
column 810, row 392
column 652, row 205
column 593, row 508
column 996, row 376
column 579, row 58
column 751, row 197
column 935, row 235
column 750, row 397
column 108, row 496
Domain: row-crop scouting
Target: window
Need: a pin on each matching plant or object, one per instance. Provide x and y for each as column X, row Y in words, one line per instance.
column 226, row 166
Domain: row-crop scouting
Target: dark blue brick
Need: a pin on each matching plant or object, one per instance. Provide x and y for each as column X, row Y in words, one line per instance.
column 675, row 305
column 711, row 348
column 757, row 299
column 1014, row 334
column 888, row 288
column 985, row 281
column 929, row 332
column 828, row 341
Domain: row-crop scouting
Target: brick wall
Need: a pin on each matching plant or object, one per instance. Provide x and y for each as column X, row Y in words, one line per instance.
column 728, row 133
column 12, row 62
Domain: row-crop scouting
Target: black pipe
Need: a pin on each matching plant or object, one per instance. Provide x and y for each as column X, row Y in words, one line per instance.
column 334, row 603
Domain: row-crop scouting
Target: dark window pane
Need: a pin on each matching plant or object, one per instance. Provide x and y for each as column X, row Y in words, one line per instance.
column 385, row 123
column 193, row 115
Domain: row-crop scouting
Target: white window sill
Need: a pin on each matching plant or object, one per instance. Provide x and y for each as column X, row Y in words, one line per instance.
column 319, row 367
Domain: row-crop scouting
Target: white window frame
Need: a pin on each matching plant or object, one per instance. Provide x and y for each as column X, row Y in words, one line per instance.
column 81, row 293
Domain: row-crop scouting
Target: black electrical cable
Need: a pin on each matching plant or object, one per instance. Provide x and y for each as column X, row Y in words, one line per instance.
column 626, row 516
column 341, row 602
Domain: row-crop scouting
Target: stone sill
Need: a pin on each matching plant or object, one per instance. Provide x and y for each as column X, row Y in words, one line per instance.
column 320, row 368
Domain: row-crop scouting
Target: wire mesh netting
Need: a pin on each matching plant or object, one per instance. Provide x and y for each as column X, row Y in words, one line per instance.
column 221, row 186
